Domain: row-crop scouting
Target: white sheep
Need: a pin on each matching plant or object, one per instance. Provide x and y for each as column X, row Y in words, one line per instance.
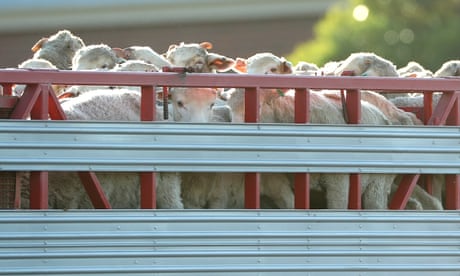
column 36, row 63
column 95, row 57
column 135, row 66
column 419, row 198
column 306, row 69
column 449, row 69
column 59, row 49
column 396, row 115
column 367, row 64
column 280, row 109
column 122, row 189
column 145, row 54
column 196, row 58
column 414, row 69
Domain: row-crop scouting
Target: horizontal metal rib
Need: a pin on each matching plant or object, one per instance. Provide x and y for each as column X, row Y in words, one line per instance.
column 140, row 146
column 191, row 243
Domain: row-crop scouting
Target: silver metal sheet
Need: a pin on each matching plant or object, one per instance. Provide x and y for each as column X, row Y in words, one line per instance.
column 148, row 146
column 224, row 242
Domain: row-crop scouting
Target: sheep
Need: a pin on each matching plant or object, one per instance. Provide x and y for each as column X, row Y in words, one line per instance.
column 449, row 69
column 306, row 69
column 367, row 64
column 280, row 109
column 91, row 57
column 59, row 49
column 98, row 57
column 329, row 68
column 128, row 66
column 36, row 63
column 413, row 100
column 122, row 189
column 414, row 69
column 135, row 66
column 196, row 58
column 145, row 54
column 419, row 199
column 396, row 115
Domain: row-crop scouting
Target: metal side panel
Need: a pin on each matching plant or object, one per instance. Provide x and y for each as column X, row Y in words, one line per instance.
column 136, row 146
column 224, row 242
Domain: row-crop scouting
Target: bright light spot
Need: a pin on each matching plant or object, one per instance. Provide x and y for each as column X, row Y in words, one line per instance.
column 406, row 36
column 360, row 13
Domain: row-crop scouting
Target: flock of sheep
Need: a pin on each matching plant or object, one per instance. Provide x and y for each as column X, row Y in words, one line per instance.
column 66, row 51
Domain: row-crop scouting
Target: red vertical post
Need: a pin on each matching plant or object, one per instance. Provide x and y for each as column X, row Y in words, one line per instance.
column 453, row 181
column 39, row 190
column 453, row 192
column 94, row 190
column 252, row 179
column 405, row 188
column 39, row 180
column 427, row 106
column 302, row 180
column 148, row 179
column 7, row 89
column 353, row 111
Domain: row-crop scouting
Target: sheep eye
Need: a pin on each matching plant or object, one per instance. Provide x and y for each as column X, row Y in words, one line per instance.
column 211, row 105
column 273, row 70
column 104, row 66
column 180, row 104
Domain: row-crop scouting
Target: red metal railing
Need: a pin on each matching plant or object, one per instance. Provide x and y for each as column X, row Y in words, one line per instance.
column 39, row 101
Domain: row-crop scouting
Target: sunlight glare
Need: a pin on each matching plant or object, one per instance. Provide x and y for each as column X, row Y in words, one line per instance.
column 360, row 13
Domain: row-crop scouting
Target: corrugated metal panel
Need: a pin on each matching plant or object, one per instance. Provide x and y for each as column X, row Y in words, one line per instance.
column 136, row 146
column 218, row 242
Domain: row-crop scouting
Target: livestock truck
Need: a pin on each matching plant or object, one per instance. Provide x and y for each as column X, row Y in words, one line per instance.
column 35, row 137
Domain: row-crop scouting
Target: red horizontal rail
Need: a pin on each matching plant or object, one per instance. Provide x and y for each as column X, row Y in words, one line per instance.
column 227, row 80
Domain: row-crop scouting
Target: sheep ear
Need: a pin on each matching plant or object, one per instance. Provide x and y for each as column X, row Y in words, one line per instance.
column 66, row 95
column 206, row 45
column 240, row 65
column 39, row 44
column 172, row 47
column 219, row 62
column 367, row 65
column 121, row 53
column 286, row 67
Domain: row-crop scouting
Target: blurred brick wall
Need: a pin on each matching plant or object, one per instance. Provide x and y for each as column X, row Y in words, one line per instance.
column 240, row 39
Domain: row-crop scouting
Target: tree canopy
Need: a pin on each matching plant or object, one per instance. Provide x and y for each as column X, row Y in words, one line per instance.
column 425, row 31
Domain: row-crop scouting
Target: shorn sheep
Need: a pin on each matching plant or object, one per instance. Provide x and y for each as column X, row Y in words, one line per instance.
column 59, row 49
column 122, row 189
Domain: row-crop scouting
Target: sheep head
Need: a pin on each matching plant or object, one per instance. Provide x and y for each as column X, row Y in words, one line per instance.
column 192, row 104
column 196, row 58
column 99, row 57
column 367, row 64
column 449, row 69
column 267, row 63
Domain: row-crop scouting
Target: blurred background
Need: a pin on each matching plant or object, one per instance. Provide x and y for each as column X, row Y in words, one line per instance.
column 316, row 31
column 235, row 27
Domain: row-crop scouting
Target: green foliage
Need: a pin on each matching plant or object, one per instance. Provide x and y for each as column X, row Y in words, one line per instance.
column 425, row 31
